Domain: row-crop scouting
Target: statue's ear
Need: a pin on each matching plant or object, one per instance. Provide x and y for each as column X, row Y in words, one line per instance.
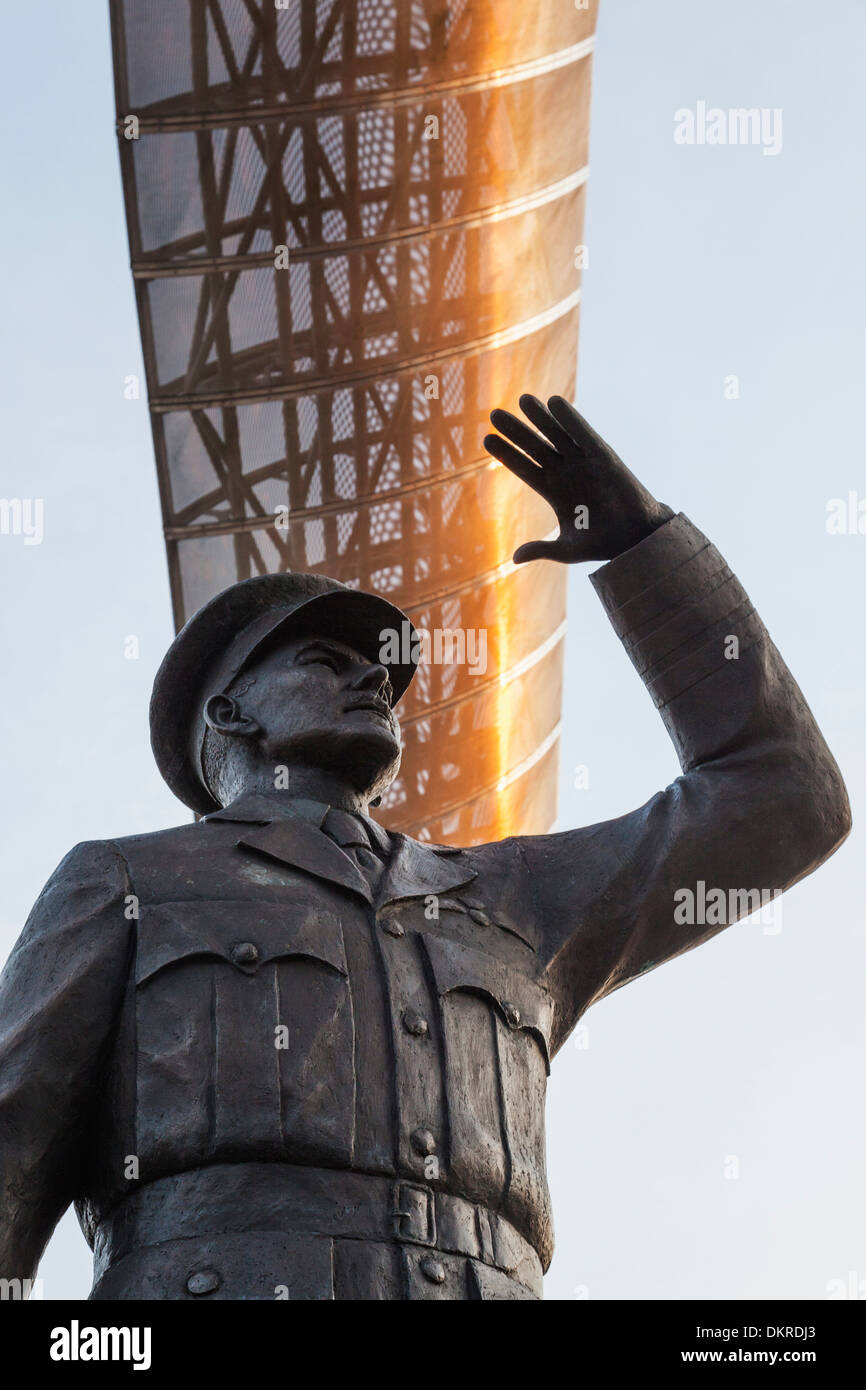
column 223, row 715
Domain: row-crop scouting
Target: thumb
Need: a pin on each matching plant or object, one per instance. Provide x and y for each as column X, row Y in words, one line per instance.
column 536, row 550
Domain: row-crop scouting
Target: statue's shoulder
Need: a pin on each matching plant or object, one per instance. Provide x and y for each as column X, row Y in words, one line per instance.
column 180, row 861
column 439, row 849
column 495, row 868
column 177, row 844
column 180, row 835
column 492, row 851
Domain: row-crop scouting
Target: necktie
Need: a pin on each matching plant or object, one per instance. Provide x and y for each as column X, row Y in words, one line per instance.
column 353, row 838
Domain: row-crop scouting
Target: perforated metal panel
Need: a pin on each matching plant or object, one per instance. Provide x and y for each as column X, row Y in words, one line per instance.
column 321, row 407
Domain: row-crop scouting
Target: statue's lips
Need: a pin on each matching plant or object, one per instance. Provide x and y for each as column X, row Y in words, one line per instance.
column 375, row 707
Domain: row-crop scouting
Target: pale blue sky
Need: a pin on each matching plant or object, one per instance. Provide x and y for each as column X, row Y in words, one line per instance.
column 704, row 262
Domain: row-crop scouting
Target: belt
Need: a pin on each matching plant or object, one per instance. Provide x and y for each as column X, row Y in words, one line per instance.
column 295, row 1199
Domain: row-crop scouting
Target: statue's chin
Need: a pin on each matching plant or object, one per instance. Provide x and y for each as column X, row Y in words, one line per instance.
column 373, row 768
column 367, row 760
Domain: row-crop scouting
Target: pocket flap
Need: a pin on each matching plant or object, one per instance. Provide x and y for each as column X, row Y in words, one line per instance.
column 176, row 931
column 523, row 1003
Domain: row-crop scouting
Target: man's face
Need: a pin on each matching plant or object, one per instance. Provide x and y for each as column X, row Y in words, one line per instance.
column 320, row 703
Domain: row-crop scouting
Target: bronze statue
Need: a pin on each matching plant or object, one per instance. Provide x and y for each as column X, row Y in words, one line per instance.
column 283, row 1053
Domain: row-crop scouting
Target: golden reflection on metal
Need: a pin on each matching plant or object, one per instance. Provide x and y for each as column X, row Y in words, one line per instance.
column 353, row 229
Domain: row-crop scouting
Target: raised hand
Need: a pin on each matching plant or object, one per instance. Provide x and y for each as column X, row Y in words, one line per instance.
column 601, row 507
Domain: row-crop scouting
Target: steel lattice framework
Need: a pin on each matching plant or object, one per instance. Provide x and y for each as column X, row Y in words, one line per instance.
column 353, row 227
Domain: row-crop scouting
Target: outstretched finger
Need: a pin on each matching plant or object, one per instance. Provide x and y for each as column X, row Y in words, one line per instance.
column 536, row 550
column 536, row 411
column 526, row 439
column 517, row 463
column 576, row 427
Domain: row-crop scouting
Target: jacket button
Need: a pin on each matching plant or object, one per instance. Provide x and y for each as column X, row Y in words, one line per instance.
column 203, row 1281
column 414, row 1023
column 393, row 929
column 245, row 953
column 422, row 1141
column 433, row 1270
column 512, row 1015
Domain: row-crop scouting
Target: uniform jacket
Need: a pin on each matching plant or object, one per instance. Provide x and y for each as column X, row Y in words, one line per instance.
column 141, row 1009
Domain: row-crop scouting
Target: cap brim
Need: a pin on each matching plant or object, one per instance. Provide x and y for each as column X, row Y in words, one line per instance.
column 367, row 623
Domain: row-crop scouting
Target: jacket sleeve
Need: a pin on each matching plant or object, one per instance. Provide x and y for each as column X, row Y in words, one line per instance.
column 760, row 804
column 59, row 996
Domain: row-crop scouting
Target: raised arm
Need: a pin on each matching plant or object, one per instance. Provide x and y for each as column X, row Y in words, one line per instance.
column 59, row 996
column 761, row 802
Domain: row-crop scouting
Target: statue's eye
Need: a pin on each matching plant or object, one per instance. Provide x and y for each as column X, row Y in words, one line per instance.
column 322, row 659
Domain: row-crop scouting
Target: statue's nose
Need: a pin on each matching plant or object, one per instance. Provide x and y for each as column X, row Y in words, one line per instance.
column 373, row 678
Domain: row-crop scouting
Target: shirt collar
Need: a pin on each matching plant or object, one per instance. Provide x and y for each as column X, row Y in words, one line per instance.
column 256, row 808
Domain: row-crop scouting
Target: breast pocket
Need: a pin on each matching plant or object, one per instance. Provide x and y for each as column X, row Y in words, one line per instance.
column 244, row 1035
column 496, row 1024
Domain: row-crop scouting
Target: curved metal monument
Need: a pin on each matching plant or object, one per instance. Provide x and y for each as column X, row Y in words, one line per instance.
column 353, row 227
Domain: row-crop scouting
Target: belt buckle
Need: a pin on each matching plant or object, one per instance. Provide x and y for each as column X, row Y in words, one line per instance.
column 415, row 1214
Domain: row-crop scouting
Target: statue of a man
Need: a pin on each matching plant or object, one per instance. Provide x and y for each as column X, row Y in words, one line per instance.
column 283, row 1053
